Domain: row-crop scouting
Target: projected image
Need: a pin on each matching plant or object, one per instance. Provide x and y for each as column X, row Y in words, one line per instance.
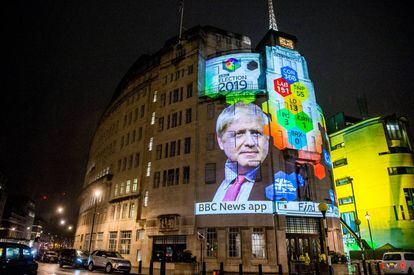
column 236, row 76
column 240, row 134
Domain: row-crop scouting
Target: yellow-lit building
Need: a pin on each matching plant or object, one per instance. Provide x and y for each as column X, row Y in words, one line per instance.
column 373, row 168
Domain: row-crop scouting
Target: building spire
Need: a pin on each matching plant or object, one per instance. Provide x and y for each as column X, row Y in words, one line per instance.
column 272, row 18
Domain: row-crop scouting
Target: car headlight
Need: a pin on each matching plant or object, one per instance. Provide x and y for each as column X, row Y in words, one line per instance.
column 79, row 260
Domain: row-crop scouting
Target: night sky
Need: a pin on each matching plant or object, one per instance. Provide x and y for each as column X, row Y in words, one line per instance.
column 62, row 60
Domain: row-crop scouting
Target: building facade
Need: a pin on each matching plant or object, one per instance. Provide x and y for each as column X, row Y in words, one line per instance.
column 374, row 179
column 157, row 158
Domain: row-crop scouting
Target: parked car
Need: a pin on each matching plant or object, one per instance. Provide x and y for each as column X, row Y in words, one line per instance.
column 109, row 260
column 49, row 256
column 73, row 257
column 398, row 263
column 16, row 259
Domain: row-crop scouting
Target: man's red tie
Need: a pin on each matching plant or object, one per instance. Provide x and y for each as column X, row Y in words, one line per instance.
column 233, row 190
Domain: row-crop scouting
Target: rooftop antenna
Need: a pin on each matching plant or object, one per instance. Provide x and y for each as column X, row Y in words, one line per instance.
column 272, row 18
column 181, row 11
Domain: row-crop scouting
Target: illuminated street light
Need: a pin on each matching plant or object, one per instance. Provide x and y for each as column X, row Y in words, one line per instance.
column 13, row 228
column 97, row 195
column 60, row 209
column 62, row 222
column 368, row 217
column 70, row 227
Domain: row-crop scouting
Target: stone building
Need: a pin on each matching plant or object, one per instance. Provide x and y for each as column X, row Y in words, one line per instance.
column 155, row 157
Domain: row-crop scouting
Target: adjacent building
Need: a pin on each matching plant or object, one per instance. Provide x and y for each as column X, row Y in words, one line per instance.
column 156, row 164
column 373, row 165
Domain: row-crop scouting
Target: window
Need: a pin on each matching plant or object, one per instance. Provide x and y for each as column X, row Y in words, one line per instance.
column 99, row 240
column 190, row 69
column 393, row 130
column 125, row 242
column 113, row 236
column 174, row 120
column 118, row 211
column 135, row 114
column 175, row 96
column 189, row 90
column 187, row 145
column 136, row 160
column 211, row 242
column 129, row 118
column 128, row 186
column 131, row 210
column 142, row 111
column 130, row 160
column 151, row 141
column 210, row 111
column 401, row 170
column 153, row 118
column 12, row 253
column 135, row 185
column 233, row 243
column 345, row 200
column 119, row 165
column 186, row 174
column 140, row 133
column 178, row 147
column 210, row 142
column 166, row 150
column 140, row 234
column 116, row 190
column 402, row 212
column 172, row 148
column 148, row 169
column 134, row 133
column 210, row 173
column 162, row 100
column 124, row 164
column 258, row 243
column 409, row 199
column 349, row 218
column 154, row 96
column 158, row 152
column 156, row 182
column 146, row 198
column 160, row 124
column 170, row 177
column 188, row 115
column 340, row 162
column 177, row 176
column 343, row 181
column 124, row 210
column 122, row 141
column 121, row 190
column 395, row 212
column 127, row 139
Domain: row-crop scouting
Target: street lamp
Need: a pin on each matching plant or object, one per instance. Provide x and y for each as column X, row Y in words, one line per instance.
column 97, row 195
column 70, row 227
column 368, row 217
column 59, row 210
column 62, row 222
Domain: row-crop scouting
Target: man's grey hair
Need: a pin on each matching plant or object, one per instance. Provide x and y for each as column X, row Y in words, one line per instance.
column 232, row 112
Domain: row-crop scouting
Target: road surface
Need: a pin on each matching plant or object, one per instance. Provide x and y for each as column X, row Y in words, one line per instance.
column 54, row 269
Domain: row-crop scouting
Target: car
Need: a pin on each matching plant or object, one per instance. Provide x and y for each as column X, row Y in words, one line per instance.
column 49, row 256
column 73, row 257
column 108, row 260
column 16, row 258
column 398, row 263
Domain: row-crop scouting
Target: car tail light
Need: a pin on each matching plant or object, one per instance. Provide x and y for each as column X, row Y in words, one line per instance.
column 403, row 265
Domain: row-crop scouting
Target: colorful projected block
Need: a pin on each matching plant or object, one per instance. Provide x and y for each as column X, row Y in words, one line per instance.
column 293, row 104
column 297, row 138
column 282, row 87
column 231, row 64
column 319, row 171
column 299, row 91
column 289, row 74
column 283, row 186
column 303, row 122
column 285, row 118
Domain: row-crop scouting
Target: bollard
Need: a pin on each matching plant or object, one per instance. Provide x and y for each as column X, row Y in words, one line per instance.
column 203, row 269
column 221, row 268
column 139, row 267
column 280, row 270
column 240, row 269
column 151, row 268
column 260, row 269
column 162, row 270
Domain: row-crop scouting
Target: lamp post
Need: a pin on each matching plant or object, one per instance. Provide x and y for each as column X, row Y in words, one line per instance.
column 368, row 217
column 96, row 194
column 323, row 207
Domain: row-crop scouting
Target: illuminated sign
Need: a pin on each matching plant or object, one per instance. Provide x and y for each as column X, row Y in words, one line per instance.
column 233, row 73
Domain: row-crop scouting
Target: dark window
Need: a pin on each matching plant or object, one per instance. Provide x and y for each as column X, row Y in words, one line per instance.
column 157, row 176
column 136, row 160
column 174, row 120
column 168, row 121
column 401, row 170
column 178, row 147
column 162, row 100
column 181, row 94
column 210, row 173
column 134, row 133
column 135, row 114
column 179, row 117
column 188, row 115
column 160, row 124
column 409, row 256
column 119, row 165
column 142, row 111
column 345, row 200
column 187, row 145
column 131, row 158
column 172, row 148
column 392, row 257
column 170, row 177
column 175, row 95
column 343, row 181
column 124, row 164
column 186, row 174
column 340, row 162
column 190, row 69
column 140, row 133
column 402, row 212
column 189, row 90
column 177, row 176
column 395, row 212
column 158, row 151
column 129, row 118
column 122, row 141
column 210, row 142
column 210, row 111
column 409, row 199
column 164, row 178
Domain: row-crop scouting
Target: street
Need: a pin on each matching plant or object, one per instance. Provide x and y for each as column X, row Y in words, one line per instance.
column 54, row 269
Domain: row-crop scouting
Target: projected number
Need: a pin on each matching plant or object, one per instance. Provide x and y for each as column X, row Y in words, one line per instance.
column 233, row 86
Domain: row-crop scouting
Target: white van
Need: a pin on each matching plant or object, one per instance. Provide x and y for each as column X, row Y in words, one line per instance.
column 398, row 263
